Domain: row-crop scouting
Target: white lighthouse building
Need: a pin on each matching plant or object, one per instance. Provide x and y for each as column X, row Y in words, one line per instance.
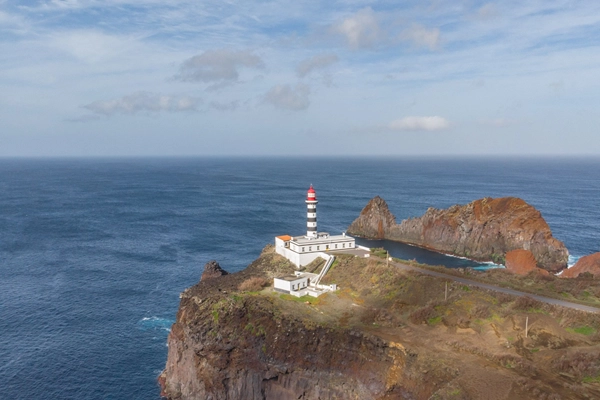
column 302, row 250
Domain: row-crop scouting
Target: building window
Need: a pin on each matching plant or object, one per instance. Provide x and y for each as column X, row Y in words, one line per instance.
column 343, row 244
column 336, row 246
column 317, row 247
column 303, row 249
column 310, row 248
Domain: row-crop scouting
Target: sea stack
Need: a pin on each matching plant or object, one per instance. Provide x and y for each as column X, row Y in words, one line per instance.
column 212, row 270
column 483, row 230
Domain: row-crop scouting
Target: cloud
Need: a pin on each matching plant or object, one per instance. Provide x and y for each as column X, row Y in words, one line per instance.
column 287, row 97
column 422, row 37
column 419, row 124
column 316, row 62
column 93, row 46
column 217, row 66
column 144, row 102
column 231, row 106
column 360, row 30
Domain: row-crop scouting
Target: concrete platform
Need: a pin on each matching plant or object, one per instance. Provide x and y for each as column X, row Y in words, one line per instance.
column 356, row 252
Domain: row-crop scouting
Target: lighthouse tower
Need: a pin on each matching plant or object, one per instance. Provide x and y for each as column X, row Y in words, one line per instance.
column 311, row 213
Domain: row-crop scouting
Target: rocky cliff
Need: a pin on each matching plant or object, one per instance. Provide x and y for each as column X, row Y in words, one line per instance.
column 228, row 344
column 483, row 230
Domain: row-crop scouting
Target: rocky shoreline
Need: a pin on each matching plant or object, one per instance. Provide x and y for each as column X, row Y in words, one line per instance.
column 483, row 230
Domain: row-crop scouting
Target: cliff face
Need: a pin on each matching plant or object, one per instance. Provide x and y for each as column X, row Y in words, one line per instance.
column 374, row 221
column 227, row 349
column 485, row 230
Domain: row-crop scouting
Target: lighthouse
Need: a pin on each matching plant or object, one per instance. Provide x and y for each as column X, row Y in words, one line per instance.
column 302, row 250
column 311, row 213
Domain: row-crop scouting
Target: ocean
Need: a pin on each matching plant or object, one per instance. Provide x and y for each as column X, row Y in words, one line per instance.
column 94, row 253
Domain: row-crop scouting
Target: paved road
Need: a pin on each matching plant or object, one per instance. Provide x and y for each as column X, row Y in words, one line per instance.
column 513, row 292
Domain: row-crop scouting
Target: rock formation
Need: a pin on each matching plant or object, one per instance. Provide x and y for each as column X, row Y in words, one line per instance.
column 212, row 269
column 484, row 230
column 522, row 262
column 590, row 264
column 374, row 221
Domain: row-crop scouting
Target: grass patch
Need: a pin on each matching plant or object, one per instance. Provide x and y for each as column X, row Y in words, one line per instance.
column 379, row 252
column 434, row 320
column 583, row 330
column 465, row 288
column 591, row 379
column 303, row 299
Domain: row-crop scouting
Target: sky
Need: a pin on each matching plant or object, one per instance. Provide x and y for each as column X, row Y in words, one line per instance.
column 290, row 78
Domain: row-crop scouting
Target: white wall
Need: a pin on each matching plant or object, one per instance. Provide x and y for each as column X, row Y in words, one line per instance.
column 282, row 284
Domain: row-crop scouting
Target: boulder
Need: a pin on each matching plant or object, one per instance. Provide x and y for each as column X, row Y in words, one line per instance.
column 590, row 264
column 520, row 262
column 212, row 269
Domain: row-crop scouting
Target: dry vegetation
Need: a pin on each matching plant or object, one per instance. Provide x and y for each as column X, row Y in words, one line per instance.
column 584, row 289
column 558, row 358
column 253, row 284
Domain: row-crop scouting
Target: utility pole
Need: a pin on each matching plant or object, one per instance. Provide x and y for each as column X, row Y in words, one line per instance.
column 526, row 325
column 446, row 294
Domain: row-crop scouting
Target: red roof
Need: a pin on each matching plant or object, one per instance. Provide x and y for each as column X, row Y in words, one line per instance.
column 311, row 195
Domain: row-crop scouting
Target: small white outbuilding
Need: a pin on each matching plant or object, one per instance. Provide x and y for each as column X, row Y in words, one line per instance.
column 291, row 284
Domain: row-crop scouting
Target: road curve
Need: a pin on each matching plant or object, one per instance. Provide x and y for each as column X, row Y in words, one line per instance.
column 513, row 292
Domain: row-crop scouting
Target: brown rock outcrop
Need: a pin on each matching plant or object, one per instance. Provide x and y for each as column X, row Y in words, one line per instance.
column 374, row 220
column 590, row 264
column 520, row 262
column 212, row 269
column 483, row 230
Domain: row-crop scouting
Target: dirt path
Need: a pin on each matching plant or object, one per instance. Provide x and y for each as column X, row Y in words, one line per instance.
column 513, row 292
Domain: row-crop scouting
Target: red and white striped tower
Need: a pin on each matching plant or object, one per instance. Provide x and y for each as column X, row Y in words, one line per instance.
column 311, row 213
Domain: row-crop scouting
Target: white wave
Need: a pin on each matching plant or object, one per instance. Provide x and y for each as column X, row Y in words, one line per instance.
column 572, row 260
column 484, row 264
column 156, row 323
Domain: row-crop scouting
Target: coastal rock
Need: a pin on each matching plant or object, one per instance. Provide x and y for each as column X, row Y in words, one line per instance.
column 483, row 230
column 590, row 264
column 374, row 220
column 520, row 262
column 212, row 269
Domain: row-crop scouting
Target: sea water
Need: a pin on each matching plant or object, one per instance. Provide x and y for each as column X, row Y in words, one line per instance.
column 94, row 253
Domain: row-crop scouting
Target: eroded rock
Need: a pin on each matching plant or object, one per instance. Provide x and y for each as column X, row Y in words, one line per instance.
column 212, row 270
column 484, row 230
column 590, row 263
